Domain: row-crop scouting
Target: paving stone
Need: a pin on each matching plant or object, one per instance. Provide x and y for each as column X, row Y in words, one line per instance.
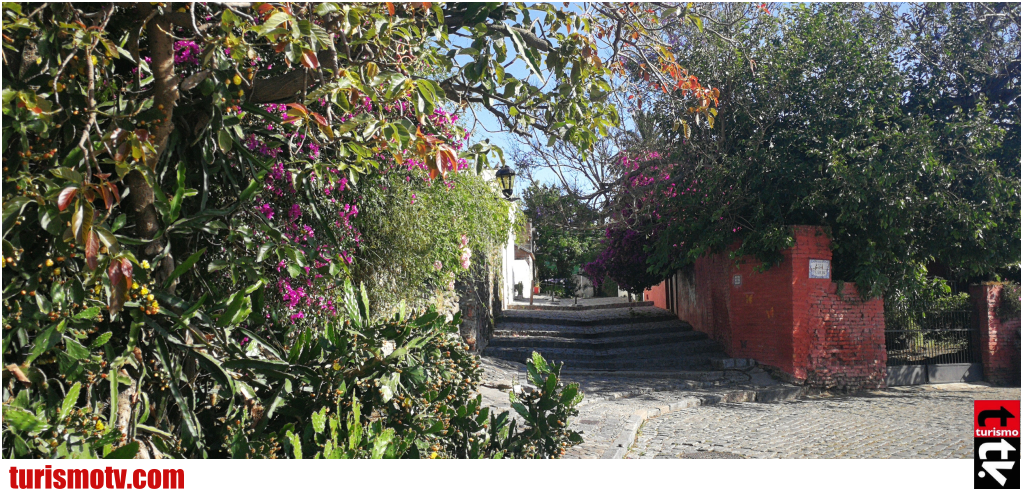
column 934, row 421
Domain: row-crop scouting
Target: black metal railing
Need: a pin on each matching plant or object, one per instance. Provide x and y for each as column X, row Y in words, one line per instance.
column 929, row 347
column 932, row 330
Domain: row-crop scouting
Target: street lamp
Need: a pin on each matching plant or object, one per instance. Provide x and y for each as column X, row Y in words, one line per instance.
column 506, row 177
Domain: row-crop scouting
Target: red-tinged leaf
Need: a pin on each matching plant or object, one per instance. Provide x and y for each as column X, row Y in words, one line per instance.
column 390, row 8
column 265, row 8
column 300, row 108
column 118, row 290
column 114, row 272
column 90, row 194
column 309, row 59
column 438, row 165
column 319, row 118
column 108, row 199
column 327, row 131
column 126, row 269
column 91, row 250
column 121, row 152
column 115, row 191
column 447, row 160
column 280, row 47
column 66, row 196
column 291, row 119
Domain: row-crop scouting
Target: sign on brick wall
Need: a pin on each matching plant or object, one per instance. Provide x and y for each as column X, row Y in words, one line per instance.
column 820, row 269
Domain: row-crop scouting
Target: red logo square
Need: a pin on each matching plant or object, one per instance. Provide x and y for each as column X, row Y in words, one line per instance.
column 996, row 418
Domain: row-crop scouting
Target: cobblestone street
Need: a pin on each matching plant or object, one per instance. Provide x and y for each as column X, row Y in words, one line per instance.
column 932, row 421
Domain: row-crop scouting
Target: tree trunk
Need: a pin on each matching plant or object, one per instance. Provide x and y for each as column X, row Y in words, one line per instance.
column 139, row 202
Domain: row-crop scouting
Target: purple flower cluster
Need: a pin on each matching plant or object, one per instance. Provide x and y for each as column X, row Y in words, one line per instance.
column 186, row 52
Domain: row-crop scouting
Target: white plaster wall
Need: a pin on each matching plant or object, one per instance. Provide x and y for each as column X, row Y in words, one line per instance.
column 523, row 273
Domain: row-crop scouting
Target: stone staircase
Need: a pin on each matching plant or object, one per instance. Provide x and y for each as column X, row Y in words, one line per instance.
column 642, row 338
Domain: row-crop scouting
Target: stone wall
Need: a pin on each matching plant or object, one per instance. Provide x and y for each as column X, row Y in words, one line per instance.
column 479, row 298
column 998, row 339
column 807, row 327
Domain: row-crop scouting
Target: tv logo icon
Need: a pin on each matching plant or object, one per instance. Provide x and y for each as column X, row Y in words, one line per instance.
column 996, row 445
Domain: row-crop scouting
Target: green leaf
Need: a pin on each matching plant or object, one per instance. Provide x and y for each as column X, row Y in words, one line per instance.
column 520, row 49
column 214, row 368
column 70, row 399
column 540, row 363
column 296, row 444
column 101, row 340
column 569, row 394
column 521, row 410
column 125, row 452
column 238, row 308
column 188, row 417
column 184, row 267
column 89, row 313
column 49, row 219
column 22, row 421
column 277, row 19
column 75, row 349
column 12, row 209
column 319, row 420
column 224, row 140
column 250, row 190
column 43, row 342
column 179, row 194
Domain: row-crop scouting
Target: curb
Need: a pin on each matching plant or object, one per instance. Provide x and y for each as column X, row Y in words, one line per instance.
column 627, row 436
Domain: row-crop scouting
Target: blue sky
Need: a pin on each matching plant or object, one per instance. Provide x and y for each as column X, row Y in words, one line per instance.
column 487, row 126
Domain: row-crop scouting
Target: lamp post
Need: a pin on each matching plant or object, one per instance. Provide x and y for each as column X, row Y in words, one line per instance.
column 506, row 177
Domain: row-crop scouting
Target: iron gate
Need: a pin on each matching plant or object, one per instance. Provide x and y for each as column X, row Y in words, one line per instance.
column 924, row 335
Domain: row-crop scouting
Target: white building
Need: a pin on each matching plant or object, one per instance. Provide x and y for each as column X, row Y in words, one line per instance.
column 518, row 263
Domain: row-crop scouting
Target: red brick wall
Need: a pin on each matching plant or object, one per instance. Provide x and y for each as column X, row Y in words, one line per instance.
column 761, row 313
column 998, row 341
column 785, row 319
column 844, row 340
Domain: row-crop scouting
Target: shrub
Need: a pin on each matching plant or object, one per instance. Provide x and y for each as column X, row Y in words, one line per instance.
column 358, row 388
column 418, row 233
column 179, row 226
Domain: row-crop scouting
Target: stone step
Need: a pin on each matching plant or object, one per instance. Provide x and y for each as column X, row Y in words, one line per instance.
column 693, row 362
column 557, row 341
column 577, row 352
column 589, row 332
column 568, row 305
column 619, row 316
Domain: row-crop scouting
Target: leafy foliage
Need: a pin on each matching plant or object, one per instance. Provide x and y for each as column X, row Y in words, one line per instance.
column 181, row 206
column 839, row 116
column 1009, row 302
column 565, row 231
column 417, row 233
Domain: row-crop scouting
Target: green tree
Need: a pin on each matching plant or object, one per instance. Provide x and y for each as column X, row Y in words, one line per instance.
column 566, row 231
column 181, row 185
column 820, row 124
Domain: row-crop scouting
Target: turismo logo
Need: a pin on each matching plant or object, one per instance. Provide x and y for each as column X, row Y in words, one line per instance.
column 996, row 445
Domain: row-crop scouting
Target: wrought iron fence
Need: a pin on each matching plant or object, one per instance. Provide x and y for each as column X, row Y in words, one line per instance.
column 929, row 330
